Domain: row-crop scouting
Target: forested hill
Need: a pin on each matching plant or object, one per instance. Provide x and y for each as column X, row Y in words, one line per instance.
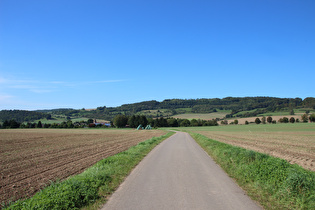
column 236, row 104
column 169, row 107
column 22, row 115
column 229, row 103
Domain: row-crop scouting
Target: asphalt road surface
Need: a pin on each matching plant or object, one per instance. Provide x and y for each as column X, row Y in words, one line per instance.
column 178, row 174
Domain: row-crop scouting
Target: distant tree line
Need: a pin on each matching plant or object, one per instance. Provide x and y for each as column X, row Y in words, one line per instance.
column 22, row 115
column 9, row 124
column 122, row 121
column 305, row 118
column 134, row 121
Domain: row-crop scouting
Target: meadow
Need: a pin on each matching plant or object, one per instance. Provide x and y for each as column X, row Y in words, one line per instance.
column 33, row 158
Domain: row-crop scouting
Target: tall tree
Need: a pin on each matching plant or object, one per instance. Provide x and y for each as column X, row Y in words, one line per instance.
column 143, row 121
column 263, row 120
column 304, row 117
column 132, row 121
column 172, row 122
column 6, row 124
column 120, row 121
column 194, row 122
column 39, row 124
column 185, row 123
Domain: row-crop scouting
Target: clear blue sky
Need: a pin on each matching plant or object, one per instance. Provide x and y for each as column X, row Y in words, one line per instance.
column 90, row 53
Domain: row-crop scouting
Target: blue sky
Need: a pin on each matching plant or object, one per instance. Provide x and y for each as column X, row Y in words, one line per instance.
column 86, row 54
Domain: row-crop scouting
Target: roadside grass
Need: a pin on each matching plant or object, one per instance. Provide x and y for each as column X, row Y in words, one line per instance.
column 94, row 185
column 273, row 182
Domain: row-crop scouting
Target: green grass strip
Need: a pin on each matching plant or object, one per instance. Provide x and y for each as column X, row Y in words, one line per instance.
column 273, row 182
column 94, row 184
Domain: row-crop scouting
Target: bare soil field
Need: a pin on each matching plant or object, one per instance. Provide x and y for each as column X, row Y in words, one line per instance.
column 209, row 116
column 293, row 143
column 31, row 158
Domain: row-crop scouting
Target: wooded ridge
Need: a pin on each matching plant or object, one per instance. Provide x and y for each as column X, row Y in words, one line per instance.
column 235, row 107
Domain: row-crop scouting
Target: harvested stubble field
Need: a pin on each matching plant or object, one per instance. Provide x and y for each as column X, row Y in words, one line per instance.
column 292, row 142
column 30, row 159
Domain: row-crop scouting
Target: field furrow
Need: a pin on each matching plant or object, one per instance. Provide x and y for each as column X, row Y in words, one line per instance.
column 30, row 159
column 295, row 147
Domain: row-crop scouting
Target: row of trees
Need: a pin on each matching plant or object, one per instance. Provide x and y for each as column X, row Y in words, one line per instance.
column 305, row 118
column 121, row 121
column 66, row 124
column 134, row 121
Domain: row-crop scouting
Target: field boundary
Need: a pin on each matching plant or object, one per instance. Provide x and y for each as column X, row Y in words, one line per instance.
column 94, row 185
column 273, row 182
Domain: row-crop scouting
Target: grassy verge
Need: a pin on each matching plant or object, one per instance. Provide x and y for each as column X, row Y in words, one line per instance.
column 94, row 184
column 273, row 182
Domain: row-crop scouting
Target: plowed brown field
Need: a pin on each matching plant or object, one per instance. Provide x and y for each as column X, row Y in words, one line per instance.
column 289, row 143
column 30, row 159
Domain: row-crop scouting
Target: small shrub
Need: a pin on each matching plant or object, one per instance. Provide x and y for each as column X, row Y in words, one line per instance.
column 257, row 121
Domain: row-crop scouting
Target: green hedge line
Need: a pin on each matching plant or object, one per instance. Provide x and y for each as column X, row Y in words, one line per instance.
column 274, row 182
column 97, row 181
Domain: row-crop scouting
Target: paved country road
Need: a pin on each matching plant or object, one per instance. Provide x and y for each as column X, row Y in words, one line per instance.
column 178, row 174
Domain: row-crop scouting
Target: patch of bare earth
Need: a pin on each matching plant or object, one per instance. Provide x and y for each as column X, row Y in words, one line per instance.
column 30, row 159
column 295, row 147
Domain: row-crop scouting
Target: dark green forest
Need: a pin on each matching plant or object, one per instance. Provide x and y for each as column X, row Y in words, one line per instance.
column 22, row 115
column 237, row 107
